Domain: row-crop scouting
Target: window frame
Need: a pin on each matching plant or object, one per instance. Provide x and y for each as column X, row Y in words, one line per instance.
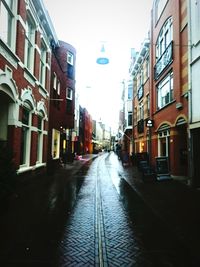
column 70, row 58
column 55, row 149
column 163, row 40
column 40, row 130
column 25, row 137
column 11, row 14
column 29, row 59
column 43, row 61
column 69, row 96
column 161, row 86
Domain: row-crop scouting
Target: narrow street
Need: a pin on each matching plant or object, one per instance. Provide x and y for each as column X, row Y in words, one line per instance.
column 88, row 216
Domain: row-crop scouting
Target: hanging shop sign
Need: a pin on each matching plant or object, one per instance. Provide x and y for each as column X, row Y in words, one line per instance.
column 149, row 123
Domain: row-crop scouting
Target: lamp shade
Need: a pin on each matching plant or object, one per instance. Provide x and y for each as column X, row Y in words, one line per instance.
column 102, row 59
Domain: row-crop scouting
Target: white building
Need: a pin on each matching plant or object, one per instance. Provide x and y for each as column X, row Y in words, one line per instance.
column 194, row 86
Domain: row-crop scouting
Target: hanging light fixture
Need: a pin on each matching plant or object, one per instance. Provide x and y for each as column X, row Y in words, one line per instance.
column 102, row 59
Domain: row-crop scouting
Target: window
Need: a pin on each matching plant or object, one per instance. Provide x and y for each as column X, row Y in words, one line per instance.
column 70, row 65
column 159, row 6
column 8, row 22
column 58, row 87
column 165, row 91
column 40, row 137
column 56, row 91
column 195, row 5
column 69, row 106
column 141, row 111
column 54, row 81
column 130, row 91
column 70, row 58
column 55, row 152
column 164, row 39
column 163, row 143
column 130, row 117
column 43, row 58
column 25, row 135
column 29, row 44
column 147, row 68
column 69, row 93
column 148, row 105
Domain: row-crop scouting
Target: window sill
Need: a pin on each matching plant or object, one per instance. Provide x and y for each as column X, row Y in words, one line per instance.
column 158, row 110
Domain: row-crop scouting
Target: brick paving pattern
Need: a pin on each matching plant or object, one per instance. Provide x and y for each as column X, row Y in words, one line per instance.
column 116, row 220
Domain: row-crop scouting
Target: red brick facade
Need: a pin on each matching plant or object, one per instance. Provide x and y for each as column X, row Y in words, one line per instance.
column 24, row 116
column 169, row 135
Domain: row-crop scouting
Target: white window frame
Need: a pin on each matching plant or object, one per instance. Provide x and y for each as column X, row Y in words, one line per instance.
column 165, row 37
column 54, row 81
column 163, row 135
column 40, row 139
column 163, row 88
column 69, row 93
column 159, row 7
column 130, row 91
column 141, row 111
column 8, row 14
column 70, row 58
column 130, row 114
column 43, row 59
column 58, row 87
column 26, row 148
column 30, row 43
column 195, row 7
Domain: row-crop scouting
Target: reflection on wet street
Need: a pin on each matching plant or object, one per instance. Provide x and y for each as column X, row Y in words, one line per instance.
column 87, row 216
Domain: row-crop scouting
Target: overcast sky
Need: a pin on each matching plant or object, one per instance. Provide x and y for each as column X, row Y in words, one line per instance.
column 86, row 24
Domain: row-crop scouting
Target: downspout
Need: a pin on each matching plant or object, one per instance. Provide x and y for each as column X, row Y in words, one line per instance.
column 190, row 150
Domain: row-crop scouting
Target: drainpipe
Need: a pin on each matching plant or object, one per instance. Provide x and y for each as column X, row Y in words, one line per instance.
column 190, row 150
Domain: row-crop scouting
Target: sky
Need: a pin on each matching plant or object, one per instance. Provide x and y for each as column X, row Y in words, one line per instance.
column 119, row 25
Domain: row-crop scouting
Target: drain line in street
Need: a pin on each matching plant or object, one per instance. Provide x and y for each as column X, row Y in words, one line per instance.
column 100, row 249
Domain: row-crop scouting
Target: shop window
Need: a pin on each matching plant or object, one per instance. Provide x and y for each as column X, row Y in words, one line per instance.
column 55, row 144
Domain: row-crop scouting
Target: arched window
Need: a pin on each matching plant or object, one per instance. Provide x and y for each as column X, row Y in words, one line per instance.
column 164, row 38
column 163, row 140
column 159, row 6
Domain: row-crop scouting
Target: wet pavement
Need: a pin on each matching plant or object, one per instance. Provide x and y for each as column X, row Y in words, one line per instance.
column 99, row 213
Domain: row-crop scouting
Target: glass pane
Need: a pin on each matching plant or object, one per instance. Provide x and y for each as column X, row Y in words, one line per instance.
column 25, row 116
column 9, row 3
column 4, row 24
column 39, row 123
column 23, row 145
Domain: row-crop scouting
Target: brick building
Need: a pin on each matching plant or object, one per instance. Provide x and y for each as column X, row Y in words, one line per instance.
column 26, row 35
column 194, row 92
column 141, row 101
column 169, row 83
column 62, row 101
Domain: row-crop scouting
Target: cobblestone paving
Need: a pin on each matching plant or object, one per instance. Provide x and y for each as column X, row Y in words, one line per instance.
column 78, row 244
column 119, row 244
column 108, row 229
